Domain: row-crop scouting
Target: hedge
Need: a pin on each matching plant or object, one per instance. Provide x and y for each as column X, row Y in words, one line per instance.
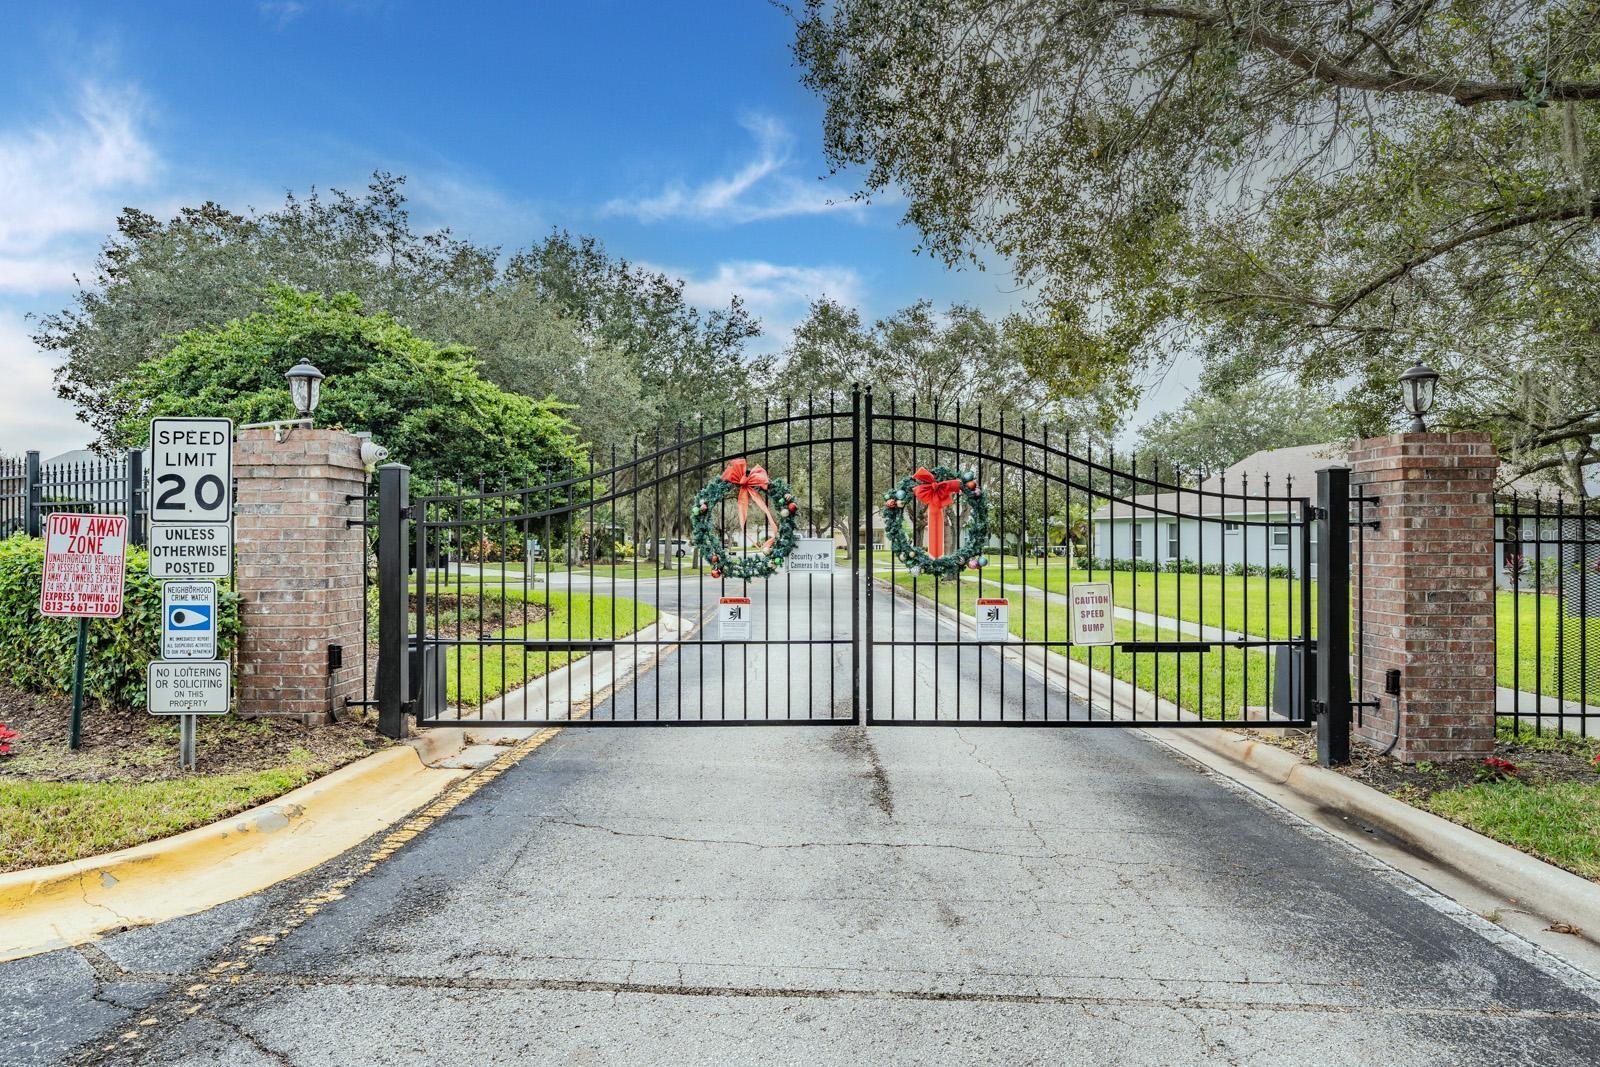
column 38, row 651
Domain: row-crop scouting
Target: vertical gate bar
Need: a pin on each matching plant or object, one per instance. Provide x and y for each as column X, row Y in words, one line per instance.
column 659, row 549
column 419, row 528
column 394, row 481
column 870, row 636
column 1333, row 618
column 857, row 704
column 1304, row 695
column 1561, row 614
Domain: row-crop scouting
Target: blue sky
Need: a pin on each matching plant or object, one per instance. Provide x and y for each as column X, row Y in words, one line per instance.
column 678, row 133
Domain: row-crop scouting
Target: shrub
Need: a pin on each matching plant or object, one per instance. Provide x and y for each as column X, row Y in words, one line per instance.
column 38, row 651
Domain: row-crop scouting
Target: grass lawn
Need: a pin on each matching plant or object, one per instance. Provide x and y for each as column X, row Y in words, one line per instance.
column 124, row 787
column 1538, row 650
column 476, row 673
column 1546, row 658
column 1216, row 684
column 44, row 822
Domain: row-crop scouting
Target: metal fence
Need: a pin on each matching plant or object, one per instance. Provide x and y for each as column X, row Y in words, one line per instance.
column 31, row 488
column 1547, row 614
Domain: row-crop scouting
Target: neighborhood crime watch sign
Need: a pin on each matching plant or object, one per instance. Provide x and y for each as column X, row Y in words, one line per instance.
column 187, row 687
column 1092, row 613
column 84, row 566
column 189, row 620
column 191, row 470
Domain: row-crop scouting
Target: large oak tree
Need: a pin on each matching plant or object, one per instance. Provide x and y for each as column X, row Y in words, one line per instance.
column 1326, row 189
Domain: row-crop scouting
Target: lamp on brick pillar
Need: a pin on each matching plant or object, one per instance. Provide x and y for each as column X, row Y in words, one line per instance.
column 1417, row 385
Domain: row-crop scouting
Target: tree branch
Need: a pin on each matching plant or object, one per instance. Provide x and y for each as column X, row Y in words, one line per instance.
column 1434, row 251
column 1325, row 68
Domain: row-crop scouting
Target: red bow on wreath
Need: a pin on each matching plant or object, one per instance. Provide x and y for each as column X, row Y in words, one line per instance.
column 749, row 479
column 938, row 496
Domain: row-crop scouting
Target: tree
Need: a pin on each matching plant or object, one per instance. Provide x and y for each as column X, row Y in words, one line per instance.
column 955, row 363
column 1219, row 426
column 621, row 346
column 1291, row 186
column 426, row 402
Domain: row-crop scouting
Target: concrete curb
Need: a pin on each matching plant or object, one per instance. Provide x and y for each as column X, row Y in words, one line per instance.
column 1547, row 891
column 66, row 904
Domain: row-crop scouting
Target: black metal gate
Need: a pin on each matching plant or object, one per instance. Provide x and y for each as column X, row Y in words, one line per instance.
column 584, row 602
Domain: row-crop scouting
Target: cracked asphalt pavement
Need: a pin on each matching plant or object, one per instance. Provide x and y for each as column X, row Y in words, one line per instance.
column 822, row 895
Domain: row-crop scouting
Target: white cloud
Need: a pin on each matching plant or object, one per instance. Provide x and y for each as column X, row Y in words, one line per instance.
column 778, row 294
column 62, row 183
column 31, row 415
column 281, row 12
column 764, row 188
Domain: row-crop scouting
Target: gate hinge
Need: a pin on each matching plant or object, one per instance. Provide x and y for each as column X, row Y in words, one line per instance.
column 1318, row 511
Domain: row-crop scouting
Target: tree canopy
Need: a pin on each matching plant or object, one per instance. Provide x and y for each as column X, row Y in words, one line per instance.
column 426, row 402
column 561, row 319
column 1218, row 426
column 1286, row 188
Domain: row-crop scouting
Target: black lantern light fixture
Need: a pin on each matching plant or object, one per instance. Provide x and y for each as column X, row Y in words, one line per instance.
column 305, row 387
column 1417, row 387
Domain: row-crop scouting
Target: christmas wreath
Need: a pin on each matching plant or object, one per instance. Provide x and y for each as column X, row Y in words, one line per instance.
column 938, row 489
column 749, row 483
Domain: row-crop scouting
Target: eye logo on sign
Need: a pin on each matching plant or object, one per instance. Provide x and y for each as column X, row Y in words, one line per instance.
column 192, row 617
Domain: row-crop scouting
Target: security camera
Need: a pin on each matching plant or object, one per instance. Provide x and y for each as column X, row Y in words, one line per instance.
column 372, row 453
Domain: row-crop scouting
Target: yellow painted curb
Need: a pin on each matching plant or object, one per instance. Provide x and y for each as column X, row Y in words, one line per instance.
column 69, row 903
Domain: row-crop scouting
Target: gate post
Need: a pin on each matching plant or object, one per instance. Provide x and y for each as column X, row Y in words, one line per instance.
column 1333, row 616
column 33, row 493
column 394, row 491
column 135, row 505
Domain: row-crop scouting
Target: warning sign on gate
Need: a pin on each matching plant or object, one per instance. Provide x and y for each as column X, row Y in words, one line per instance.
column 1092, row 613
column 734, row 618
column 84, row 566
column 994, row 619
column 188, row 687
column 189, row 620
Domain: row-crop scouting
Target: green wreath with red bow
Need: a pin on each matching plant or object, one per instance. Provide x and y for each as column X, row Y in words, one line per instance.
column 938, row 489
column 749, row 484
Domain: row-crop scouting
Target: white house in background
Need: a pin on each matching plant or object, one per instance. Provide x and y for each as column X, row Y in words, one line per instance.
column 1212, row 523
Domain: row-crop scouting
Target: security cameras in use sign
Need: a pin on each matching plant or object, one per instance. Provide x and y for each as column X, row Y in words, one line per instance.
column 191, row 470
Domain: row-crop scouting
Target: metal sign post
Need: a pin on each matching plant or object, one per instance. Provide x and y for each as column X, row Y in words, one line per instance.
column 191, row 538
column 85, row 567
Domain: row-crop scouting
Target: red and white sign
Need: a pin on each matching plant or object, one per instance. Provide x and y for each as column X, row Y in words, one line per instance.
column 994, row 619
column 1093, row 615
column 734, row 618
column 84, row 565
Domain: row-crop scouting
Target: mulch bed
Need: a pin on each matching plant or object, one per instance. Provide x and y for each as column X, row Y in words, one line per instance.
column 125, row 744
column 1535, row 766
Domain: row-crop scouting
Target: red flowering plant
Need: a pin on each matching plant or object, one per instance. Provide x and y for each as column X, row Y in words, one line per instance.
column 1495, row 769
column 7, row 735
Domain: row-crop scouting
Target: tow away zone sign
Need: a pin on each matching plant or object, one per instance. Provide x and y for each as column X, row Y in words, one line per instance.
column 188, row 687
column 84, row 566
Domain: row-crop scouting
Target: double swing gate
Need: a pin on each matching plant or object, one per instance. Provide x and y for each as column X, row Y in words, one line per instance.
column 588, row 602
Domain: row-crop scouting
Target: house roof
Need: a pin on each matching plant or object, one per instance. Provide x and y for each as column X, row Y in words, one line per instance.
column 1270, row 473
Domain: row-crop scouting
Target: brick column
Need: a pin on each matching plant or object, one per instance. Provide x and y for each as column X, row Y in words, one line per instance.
column 1429, row 592
column 298, row 569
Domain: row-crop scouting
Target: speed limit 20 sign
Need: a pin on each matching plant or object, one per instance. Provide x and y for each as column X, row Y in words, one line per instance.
column 191, row 470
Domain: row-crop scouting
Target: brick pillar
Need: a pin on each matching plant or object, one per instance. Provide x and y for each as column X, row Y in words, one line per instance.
column 1429, row 592
column 299, row 571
